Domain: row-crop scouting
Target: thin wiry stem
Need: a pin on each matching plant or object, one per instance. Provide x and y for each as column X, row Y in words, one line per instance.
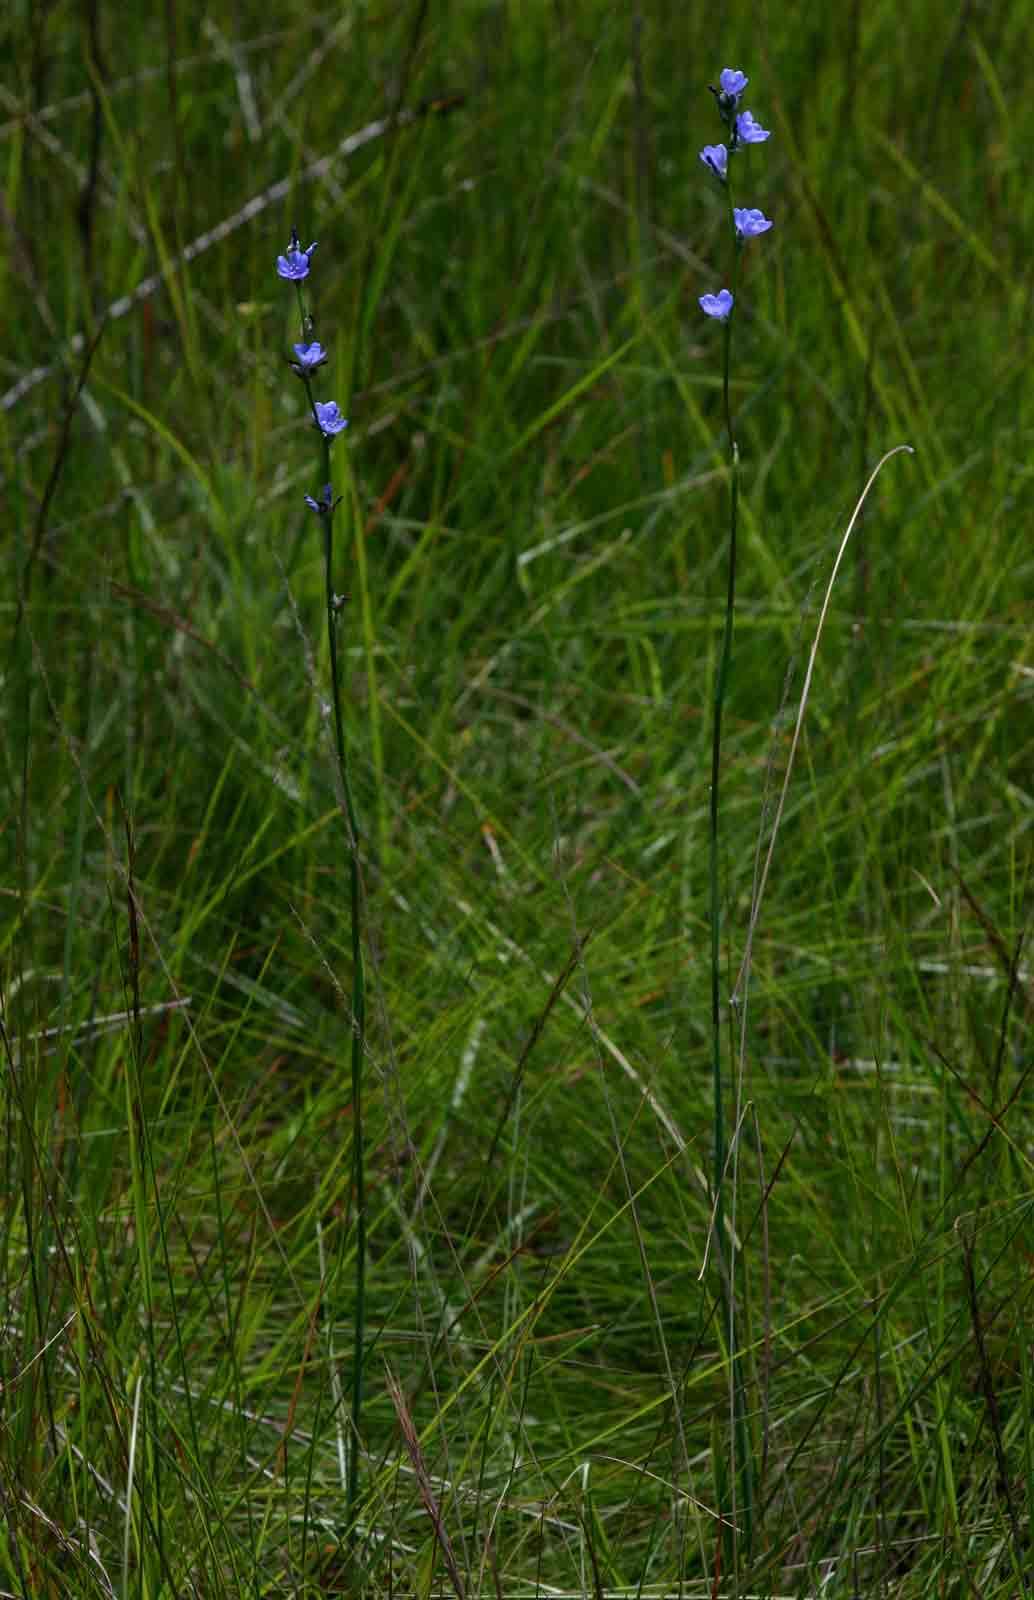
column 327, row 505
column 358, row 1019
column 721, row 684
column 726, row 1261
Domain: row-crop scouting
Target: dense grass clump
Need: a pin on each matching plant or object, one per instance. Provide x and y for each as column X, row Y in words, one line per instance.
column 569, row 1386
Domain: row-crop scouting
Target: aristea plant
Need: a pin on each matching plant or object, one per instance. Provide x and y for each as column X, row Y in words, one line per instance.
column 309, row 356
column 744, row 223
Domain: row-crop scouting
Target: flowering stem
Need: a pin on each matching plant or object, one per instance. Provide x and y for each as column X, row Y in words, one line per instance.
column 726, row 1262
column 747, row 222
column 721, row 682
column 358, row 1019
column 326, row 516
column 303, row 314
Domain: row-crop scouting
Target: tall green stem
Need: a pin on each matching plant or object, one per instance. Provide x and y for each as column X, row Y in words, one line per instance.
column 721, row 683
column 358, row 1020
column 326, row 505
column 726, row 1261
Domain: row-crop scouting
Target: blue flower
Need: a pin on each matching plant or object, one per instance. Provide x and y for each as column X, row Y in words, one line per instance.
column 716, row 157
column 326, row 502
column 295, row 264
column 732, row 83
column 717, row 305
column 309, row 357
column 750, row 221
column 329, row 418
column 748, row 131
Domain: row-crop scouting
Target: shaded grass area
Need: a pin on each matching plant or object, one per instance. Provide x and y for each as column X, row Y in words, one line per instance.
column 507, row 284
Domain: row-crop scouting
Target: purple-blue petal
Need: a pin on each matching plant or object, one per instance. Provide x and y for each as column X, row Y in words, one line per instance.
column 748, row 131
column 295, row 264
column 716, row 157
column 310, row 355
column 717, row 305
column 329, row 418
column 324, row 504
column 732, row 82
column 750, row 221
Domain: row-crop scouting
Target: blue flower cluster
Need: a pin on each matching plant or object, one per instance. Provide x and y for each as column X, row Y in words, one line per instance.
column 748, row 222
column 293, row 267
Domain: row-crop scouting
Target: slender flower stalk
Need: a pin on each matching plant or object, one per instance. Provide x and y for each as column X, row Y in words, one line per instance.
column 744, row 223
column 309, row 356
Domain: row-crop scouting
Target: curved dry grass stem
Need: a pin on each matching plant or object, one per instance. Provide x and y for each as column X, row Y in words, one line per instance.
column 755, row 910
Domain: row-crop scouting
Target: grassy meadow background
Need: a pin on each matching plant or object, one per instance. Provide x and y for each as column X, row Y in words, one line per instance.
column 533, row 542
